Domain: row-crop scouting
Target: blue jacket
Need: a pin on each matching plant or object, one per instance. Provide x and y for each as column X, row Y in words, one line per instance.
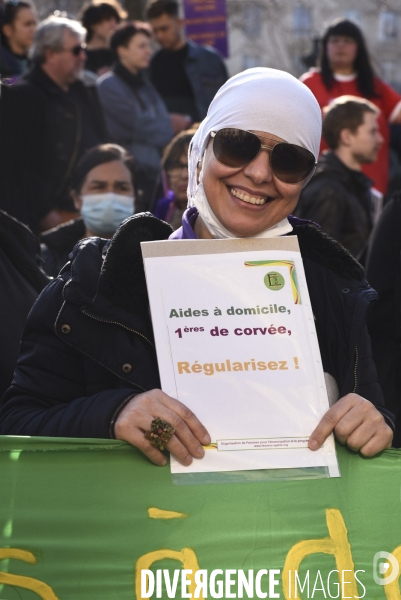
column 88, row 345
column 137, row 119
column 11, row 65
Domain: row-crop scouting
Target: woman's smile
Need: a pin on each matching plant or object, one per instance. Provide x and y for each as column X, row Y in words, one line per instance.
column 248, row 196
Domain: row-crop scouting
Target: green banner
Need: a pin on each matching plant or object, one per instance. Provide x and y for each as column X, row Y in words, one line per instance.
column 84, row 519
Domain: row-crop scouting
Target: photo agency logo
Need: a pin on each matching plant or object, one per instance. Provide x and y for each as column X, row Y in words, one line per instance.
column 385, row 568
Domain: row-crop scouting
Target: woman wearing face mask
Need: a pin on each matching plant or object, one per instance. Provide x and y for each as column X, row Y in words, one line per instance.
column 18, row 25
column 257, row 148
column 136, row 116
column 345, row 69
column 103, row 191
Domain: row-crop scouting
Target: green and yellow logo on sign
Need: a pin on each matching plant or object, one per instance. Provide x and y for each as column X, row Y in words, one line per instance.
column 274, row 281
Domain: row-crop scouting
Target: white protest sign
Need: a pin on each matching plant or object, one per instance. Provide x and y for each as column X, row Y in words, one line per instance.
column 236, row 343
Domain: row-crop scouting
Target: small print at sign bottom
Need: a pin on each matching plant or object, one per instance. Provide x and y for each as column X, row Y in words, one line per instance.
column 262, row 444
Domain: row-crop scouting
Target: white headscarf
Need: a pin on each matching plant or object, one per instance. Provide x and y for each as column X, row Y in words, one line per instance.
column 257, row 99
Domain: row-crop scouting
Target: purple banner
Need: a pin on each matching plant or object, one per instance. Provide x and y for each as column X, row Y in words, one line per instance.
column 206, row 23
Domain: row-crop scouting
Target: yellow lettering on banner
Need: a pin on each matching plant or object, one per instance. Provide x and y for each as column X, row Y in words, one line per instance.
column 392, row 590
column 337, row 544
column 186, row 557
column 158, row 513
column 41, row 589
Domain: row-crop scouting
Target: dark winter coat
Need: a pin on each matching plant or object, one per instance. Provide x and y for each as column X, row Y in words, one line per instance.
column 45, row 131
column 339, row 200
column 21, row 281
column 57, row 243
column 383, row 272
column 11, row 65
column 88, row 345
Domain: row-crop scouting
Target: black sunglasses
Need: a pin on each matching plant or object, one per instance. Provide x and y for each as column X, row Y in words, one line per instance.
column 237, row 148
column 76, row 50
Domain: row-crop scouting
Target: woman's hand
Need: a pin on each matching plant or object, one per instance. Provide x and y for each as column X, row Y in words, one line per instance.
column 355, row 422
column 136, row 418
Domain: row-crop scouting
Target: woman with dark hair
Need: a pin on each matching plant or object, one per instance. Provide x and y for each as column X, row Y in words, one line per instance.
column 175, row 166
column 136, row 116
column 100, row 22
column 18, row 25
column 103, row 191
column 345, row 69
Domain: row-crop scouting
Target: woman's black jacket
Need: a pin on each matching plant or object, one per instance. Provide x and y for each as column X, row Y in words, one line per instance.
column 21, row 281
column 383, row 270
column 88, row 344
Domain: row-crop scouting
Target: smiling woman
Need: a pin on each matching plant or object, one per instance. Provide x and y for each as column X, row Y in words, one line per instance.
column 254, row 160
column 89, row 341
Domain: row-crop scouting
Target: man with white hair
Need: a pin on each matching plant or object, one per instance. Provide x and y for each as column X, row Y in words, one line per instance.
column 49, row 119
column 59, row 50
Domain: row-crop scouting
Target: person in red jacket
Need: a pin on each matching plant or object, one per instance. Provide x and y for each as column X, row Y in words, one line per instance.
column 345, row 69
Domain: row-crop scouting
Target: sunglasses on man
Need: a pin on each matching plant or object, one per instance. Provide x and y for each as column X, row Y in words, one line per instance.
column 237, row 148
column 76, row 50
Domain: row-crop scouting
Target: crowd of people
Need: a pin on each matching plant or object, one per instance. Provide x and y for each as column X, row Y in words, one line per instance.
column 101, row 134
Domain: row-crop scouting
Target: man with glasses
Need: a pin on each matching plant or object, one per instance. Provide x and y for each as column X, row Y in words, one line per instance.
column 49, row 119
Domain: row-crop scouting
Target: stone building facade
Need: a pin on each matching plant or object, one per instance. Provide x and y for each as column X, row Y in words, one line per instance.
column 284, row 34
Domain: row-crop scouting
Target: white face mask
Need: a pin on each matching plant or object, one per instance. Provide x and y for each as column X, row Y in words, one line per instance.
column 104, row 213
